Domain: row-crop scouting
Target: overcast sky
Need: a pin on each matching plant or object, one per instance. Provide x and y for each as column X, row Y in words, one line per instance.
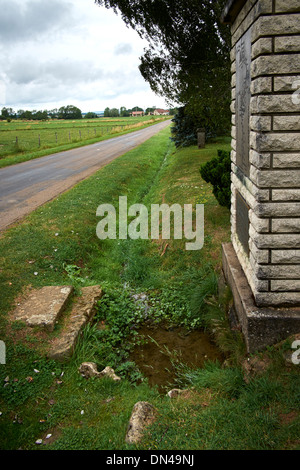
column 59, row 52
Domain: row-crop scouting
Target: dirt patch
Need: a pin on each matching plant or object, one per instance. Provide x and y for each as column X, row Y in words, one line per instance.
column 196, row 398
column 165, row 348
column 288, row 418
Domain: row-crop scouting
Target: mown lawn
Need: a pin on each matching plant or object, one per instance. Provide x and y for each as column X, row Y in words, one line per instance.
column 57, row 245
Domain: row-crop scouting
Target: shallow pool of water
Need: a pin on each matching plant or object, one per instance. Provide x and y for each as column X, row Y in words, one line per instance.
column 167, row 346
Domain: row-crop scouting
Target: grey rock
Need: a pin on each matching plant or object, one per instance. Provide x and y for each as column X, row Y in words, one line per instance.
column 143, row 415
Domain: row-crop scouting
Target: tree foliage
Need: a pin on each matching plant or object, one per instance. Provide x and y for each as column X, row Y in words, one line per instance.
column 113, row 112
column 184, row 129
column 69, row 112
column 91, row 115
column 187, row 60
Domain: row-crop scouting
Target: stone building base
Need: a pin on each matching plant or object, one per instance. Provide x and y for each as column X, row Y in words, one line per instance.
column 261, row 326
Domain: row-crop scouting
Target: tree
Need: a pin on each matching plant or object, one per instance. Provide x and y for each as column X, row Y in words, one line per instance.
column 184, row 129
column 91, row 115
column 124, row 112
column 188, row 59
column 136, row 108
column 53, row 113
column 20, row 112
column 40, row 115
column 114, row 112
column 69, row 112
column 7, row 113
column 26, row 115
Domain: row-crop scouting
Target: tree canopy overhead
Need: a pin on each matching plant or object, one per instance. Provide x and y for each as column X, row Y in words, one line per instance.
column 187, row 60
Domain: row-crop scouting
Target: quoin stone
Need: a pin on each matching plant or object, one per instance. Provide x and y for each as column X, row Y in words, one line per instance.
column 262, row 262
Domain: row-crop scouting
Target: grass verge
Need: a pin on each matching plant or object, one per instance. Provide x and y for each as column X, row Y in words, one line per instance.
column 223, row 407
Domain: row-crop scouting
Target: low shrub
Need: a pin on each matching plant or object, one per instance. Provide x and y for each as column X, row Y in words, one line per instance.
column 217, row 172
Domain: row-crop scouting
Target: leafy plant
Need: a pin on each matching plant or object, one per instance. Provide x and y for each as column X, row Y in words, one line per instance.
column 130, row 371
column 74, row 274
column 217, row 172
column 119, row 318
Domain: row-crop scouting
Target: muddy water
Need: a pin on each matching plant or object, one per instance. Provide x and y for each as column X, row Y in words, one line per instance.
column 165, row 347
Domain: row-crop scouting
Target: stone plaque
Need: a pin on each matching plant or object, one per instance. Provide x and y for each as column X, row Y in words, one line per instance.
column 242, row 222
column 243, row 95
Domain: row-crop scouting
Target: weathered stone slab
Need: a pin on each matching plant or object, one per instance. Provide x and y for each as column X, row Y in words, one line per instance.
column 82, row 312
column 201, row 138
column 43, row 307
column 143, row 414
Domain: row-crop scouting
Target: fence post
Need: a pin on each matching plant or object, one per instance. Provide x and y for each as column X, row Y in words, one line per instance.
column 39, row 140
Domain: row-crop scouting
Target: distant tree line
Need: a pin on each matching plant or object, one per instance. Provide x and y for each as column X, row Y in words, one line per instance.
column 68, row 112
column 65, row 112
column 124, row 112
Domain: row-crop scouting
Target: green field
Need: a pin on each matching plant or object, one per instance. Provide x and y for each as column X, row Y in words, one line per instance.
column 23, row 140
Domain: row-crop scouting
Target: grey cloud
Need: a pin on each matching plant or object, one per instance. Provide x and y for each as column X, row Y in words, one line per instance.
column 67, row 71
column 20, row 22
column 123, row 49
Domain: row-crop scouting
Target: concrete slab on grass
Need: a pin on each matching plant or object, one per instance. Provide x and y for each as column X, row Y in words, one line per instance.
column 43, row 307
column 83, row 311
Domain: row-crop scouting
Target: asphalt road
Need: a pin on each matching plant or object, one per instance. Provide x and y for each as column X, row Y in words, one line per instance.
column 28, row 185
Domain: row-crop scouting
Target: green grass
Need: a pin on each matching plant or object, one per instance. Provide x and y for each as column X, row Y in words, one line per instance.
column 25, row 140
column 57, row 244
column 222, row 412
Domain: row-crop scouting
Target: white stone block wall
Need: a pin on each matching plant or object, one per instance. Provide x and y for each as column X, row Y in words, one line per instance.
column 272, row 187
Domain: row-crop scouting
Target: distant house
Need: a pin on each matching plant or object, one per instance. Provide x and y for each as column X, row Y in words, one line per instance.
column 137, row 113
column 160, row 112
